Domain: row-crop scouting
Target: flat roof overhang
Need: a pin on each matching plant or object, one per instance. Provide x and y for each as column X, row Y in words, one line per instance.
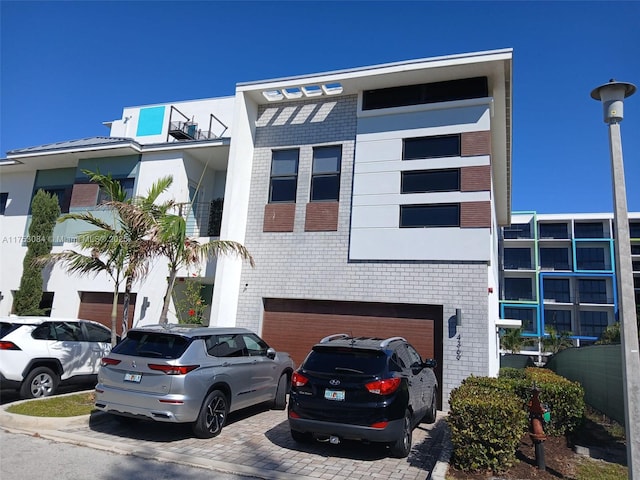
column 215, row 153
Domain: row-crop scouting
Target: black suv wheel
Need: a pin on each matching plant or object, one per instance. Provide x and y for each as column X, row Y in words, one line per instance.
column 367, row 389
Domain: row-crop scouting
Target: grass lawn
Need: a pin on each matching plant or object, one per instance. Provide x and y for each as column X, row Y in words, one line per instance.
column 64, row 406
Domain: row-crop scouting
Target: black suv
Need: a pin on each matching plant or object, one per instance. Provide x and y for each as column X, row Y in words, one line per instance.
column 367, row 389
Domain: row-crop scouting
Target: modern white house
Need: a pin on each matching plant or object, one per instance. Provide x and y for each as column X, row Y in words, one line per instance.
column 370, row 198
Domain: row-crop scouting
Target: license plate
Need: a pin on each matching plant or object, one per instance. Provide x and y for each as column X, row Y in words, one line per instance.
column 132, row 377
column 334, row 395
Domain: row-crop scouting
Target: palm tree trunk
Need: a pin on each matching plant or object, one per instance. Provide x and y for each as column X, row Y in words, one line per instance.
column 114, row 315
column 125, row 306
column 173, row 272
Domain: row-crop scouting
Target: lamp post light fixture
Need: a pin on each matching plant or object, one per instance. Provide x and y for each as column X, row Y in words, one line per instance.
column 612, row 95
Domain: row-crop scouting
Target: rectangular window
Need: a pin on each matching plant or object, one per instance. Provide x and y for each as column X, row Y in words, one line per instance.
column 554, row 258
column 634, row 229
column 515, row 258
column 590, row 258
column 3, row 202
column 635, row 249
column 592, row 324
column 553, row 230
column 517, row 230
column 589, row 230
column 425, row 93
column 325, row 177
column 435, row 215
column 430, row 181
column 560, row 320
column 431, row 147
column 593, row 290
column 557, row 289
column 126, row 184
column 518, row 289
column 63, row 194
column 284, row 176
column 526, row 315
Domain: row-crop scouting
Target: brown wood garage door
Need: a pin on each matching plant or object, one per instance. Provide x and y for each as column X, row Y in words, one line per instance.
column 294, row 326
column 97, row 306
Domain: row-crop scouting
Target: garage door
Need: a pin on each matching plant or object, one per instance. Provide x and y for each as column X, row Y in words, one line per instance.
column 97, row 306
column 294, row 326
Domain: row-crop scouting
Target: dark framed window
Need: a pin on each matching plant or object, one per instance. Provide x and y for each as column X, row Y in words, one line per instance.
column 430, row 181
column 560, row 320
column 435, row 215
column 590, row 258
column 555, row 258
column 515, row 258
column 517, row 230
column 589, row 230
column 127, row 184
column 634, row 229
column 553, row 230
column 425, row 93
column 557, row 289
column 3, row 202
column 518, row 289
column 593, row 323
column 431, row 147
column 593, row 290
column 325, row 175
column 635, row 249
column 526, row 315
column 284, row 176
column 63, row 194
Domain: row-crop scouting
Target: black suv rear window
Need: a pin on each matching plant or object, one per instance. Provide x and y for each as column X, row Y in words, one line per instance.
column 347, row 360
column 152, row 345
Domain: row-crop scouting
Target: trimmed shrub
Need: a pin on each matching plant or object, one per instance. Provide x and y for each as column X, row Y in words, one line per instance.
column 509, row 372
column 487, row 422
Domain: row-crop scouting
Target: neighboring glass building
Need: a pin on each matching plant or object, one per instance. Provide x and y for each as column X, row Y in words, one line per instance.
column 558, row 270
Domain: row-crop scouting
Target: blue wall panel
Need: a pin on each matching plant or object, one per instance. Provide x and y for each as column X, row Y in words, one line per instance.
column 150, row 121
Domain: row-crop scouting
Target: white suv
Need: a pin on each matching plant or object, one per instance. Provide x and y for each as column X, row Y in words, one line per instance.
column 38, row 353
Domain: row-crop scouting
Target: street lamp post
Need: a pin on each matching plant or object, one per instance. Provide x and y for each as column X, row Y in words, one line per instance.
column 612, row 95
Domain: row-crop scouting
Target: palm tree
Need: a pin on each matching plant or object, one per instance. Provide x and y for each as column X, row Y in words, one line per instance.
column 554, row 342
column 512, row 340
column 122, row 249
column 182, row 251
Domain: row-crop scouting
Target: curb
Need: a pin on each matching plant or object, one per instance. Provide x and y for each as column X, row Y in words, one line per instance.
column 28, row 422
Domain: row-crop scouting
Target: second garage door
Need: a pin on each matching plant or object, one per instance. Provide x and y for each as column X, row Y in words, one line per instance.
column 294, row 326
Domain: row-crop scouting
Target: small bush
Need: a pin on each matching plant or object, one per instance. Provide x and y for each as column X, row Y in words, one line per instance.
column 487, row 421
column 508, row 372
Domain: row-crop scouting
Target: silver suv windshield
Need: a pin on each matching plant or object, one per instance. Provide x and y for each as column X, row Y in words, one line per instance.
column 152, row 345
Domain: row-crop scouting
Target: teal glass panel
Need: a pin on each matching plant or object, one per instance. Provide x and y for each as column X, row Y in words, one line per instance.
column 150, row 121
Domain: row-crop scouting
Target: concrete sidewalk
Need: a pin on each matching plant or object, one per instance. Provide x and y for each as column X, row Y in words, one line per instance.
column 256, row 442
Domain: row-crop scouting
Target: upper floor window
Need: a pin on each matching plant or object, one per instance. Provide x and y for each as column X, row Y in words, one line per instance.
column 431, row 181
column 126, row 184
column 553, row 230
column 433, row 215
column 526, row 315
column 431, row 147
column 557, row 289
column 560, row 320
column 284, row 176
column 555, row 258
column 635, row 249
column 517, row 230
column 634, row 229
column 518, row 288
column 3, row 202
column 593, row 290
column 589, row 230
column 515, row 258
column 325, row 177
column 63, row 194
column 590, row 258
column 593, row 323
column 425, row 93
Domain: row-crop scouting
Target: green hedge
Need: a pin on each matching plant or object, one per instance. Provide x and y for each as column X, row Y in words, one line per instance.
column 487, row 422
column 489, row 416
column 564, row 398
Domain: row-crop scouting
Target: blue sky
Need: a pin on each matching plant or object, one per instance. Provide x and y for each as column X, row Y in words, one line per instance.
column 66, row 67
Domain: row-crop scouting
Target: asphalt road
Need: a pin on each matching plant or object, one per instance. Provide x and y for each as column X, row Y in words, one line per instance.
column 27, row 457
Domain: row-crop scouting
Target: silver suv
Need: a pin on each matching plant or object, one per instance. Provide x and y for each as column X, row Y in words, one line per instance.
column 172, row 373
column 39, row 353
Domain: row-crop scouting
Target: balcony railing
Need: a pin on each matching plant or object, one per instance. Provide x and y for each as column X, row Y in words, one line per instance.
column 203, row 219
column 189, row 131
